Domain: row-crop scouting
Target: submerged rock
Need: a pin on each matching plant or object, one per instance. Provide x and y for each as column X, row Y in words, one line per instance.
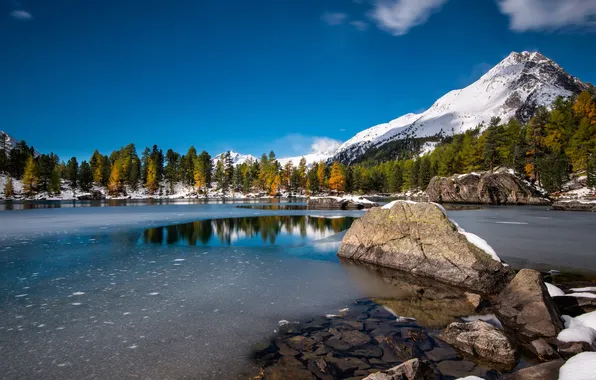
column 499, row 188
column 481, row 340
column 413, row 369
column 338, row 203
column 527, row 310
column 420, row 239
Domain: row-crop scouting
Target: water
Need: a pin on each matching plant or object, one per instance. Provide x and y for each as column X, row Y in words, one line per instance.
column 185, row 290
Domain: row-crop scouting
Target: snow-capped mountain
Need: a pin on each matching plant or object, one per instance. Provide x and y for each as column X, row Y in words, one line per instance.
column 311, row 158
column 237, row 158
column 11, row 142
column 513, row 88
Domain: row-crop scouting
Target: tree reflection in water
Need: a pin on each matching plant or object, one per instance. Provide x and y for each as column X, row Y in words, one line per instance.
column 230, row 230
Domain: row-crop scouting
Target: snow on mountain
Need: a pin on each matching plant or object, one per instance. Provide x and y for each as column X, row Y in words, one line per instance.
column 513, row 88
column 237, row 158
column 320, row 153
column 11, row 142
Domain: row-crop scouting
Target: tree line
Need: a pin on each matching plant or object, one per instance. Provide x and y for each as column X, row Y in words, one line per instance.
column 555, row 142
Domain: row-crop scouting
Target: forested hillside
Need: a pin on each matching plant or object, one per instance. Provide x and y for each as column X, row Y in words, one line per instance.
column 553, row 144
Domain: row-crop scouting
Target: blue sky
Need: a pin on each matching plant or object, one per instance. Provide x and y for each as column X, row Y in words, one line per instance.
column 256, row 75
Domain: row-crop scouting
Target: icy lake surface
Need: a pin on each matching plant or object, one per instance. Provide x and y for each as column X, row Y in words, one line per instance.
column 184, row 290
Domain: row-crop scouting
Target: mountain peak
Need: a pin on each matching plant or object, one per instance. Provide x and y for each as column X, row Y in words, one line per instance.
column 514, row 88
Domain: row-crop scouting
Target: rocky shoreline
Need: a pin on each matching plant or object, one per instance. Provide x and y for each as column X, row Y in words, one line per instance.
column 497, row 324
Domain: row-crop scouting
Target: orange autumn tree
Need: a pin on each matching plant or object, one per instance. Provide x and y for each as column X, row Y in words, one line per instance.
column 337, row 180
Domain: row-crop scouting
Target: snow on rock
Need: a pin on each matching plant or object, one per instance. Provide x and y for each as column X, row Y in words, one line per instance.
column 554, row 291
column 586, row 289
column 472, row 238
column 579, row 329
column 581, row 295
column 513, row 88
column 579, row 367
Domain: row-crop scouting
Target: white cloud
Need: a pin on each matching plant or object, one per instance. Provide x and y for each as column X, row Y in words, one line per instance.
column 548, row 14
column 359, row 25
column 21, row 15
column 399, row 16
column 334, row 18
column 324, row 144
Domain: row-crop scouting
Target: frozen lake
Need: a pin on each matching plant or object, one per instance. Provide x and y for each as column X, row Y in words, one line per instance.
column 184, row 290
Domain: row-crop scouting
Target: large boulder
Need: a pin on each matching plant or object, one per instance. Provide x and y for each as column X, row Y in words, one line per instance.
column 338, row 203
column 413, row 369
column 527, row 310
column 485, row 188
column 420, row 239
column 481, row 340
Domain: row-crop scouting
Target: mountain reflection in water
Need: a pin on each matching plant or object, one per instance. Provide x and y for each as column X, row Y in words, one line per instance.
column 248, row 231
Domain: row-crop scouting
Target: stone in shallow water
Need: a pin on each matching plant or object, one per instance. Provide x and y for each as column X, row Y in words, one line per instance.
column 301, row 343
column 397, row 350
column 368, row 351
column 481, row 340
column 459, row 368
column 284, row 349
column 287, row 373
column 442, row 353
column 347, row 365
column 322, row 369
column 414, row 369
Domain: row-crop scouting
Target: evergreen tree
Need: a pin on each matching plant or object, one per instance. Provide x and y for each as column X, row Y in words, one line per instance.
column 85, row 176
column 220, row 176
column 313, row 179
column 71, row 172
column 8, row 188
column 337, row 180
column 3, row 152
column 172, row 168
column 30, row 177
column 55, row 180
column 302, row 169
column 396, row 180
column 591, row 171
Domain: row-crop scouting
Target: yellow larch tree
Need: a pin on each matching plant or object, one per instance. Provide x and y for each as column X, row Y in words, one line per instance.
column 337, row 180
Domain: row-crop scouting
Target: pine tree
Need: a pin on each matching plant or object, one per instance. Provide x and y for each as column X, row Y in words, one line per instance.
column 585, row 107
column 302, row 169
column 55, row 181
column 3, row 152
column 337, row 180
column 72, row 171
column 275, row 185
column 30, row 177
column 8, row 188
column 85, row 176
column 220, row 176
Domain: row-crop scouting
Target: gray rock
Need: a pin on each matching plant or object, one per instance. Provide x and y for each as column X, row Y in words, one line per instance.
column 301, row 343
column 527, row 310
column 321, row 369
column 543, row 371
column 337, row 203
column 414, row 369
column 542, row 350
column 368, row 351
column 442, row 353
column 420, row 239
column 481, row 340
column 567, row 350
column 460, row 368
column 575, row 205
column 484, row 188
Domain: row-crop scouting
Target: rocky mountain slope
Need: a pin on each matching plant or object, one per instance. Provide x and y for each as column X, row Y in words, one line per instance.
column 513, row 88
